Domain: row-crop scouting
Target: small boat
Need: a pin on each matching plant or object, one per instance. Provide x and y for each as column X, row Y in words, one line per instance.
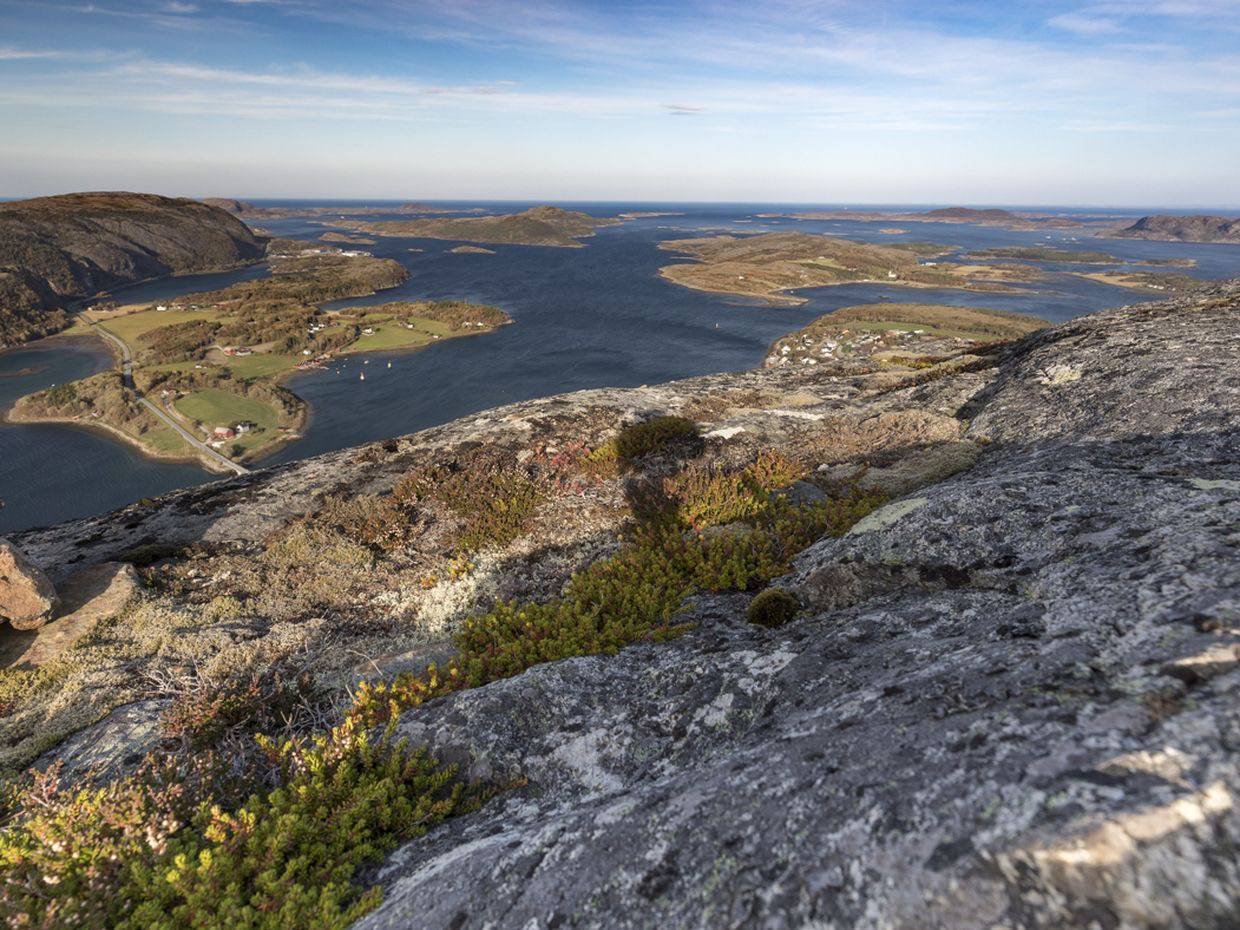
column 389, row 364
column 362, row 376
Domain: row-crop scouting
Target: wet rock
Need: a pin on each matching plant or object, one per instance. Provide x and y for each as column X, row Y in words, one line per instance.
column 27, row 598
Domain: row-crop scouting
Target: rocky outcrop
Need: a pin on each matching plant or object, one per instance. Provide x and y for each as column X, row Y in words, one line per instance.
column 55, row 250
column 1010, row 698
column 27, row 598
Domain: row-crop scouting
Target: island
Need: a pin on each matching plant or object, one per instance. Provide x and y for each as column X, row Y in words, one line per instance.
column 56, row 252
column 1004, row 219
column 1166, row 228
column 769, row 264
column 249, row 211
column 471, row 250
column 550, row 226
column 903, row 334
column 200, row 375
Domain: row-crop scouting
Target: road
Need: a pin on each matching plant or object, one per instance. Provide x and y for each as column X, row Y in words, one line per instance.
column 127, row 380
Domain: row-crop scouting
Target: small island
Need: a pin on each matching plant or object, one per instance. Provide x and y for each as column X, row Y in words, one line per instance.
column 200, row 375
column 550, row 226
column 768, row 265
column 902, row 334
column 1002, row 219
column 471, row 250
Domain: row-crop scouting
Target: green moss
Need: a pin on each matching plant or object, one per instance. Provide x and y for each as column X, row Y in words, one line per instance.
column 772, row 608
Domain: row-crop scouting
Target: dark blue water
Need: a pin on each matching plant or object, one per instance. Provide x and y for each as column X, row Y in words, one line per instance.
column 590, row 317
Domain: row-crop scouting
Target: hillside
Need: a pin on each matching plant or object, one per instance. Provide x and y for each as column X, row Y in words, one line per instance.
column 536, row 226
column 861, row 646
column 1182, row 229
column 57, row 250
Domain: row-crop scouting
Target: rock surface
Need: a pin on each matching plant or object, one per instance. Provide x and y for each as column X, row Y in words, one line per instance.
column 27, row 597
column 1012, row 699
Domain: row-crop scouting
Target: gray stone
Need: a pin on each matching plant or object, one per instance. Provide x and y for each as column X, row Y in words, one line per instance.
column 27, row 598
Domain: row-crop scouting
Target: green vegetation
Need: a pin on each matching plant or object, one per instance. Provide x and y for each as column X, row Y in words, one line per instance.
column 170, row 848
column 267, row 832
column 1041, row 253
column 772, row 608
column 651, row 436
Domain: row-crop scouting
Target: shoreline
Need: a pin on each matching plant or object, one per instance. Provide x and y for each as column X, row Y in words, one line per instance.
column 115, row 432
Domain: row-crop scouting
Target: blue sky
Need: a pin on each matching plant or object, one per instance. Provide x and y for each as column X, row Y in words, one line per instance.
column 1133, row 103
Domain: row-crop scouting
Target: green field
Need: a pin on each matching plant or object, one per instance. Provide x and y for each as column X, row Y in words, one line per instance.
column 260, row 365
column 395, row 336
column 214, row 407
column 165, row 439
column 130, row 327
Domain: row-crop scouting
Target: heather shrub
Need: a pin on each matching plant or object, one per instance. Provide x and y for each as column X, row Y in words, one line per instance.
column 653, row 435
column 496, row 506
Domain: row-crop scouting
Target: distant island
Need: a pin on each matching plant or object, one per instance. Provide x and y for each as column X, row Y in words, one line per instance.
column 1166, row 228
column 1005, row 219
column 471, row 250
column 551, row 226
column 56, row 251
column 201, row 373
column 916, row 335
column 767, row 265
column 249, row 211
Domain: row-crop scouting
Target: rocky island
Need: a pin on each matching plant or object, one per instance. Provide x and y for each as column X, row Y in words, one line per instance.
column 536, row 226
column 57, row 251
column 921, row 647
column 1004, row 219
column 768, row 264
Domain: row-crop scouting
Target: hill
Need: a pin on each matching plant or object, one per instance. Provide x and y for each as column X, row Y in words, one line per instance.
column 941, row 648
column 57, row 250
column 1182, row 229
column 536, row 226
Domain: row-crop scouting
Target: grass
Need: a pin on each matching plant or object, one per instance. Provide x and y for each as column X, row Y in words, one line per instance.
column 165, row 439
column 214, row 407
column 260, row 365
column 133, row 325
column 391, row 335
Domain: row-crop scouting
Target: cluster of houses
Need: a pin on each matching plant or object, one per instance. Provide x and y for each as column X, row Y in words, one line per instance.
column 845, row 343
column 236, row 351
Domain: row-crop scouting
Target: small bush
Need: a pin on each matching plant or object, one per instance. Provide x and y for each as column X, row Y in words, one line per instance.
column 497, row 506
column 772, row 608
column 651, row 436
column 710, row 498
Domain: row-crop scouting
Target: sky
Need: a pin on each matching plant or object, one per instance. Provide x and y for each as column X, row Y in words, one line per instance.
column 1055, row 102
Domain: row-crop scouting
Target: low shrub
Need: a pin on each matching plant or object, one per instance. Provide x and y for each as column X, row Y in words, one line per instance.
column 651, row 436
column 164, row 850
column 772, row 608
column 496, row 505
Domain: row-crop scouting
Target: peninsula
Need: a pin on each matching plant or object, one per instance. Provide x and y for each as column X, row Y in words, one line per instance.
column 769, row 264
column 204, row 370
column 537, row 226
column 58, row 251
column 898, row 334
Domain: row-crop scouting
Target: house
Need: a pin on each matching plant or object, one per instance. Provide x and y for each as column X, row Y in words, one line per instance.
column 245, row 426
column 368, row 331
column 162, row 308
column 224, row 432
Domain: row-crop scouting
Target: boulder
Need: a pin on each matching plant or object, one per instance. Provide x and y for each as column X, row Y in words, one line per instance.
column 27, row 598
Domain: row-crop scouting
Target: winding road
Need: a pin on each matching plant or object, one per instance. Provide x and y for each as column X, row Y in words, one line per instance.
column 127, row 380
